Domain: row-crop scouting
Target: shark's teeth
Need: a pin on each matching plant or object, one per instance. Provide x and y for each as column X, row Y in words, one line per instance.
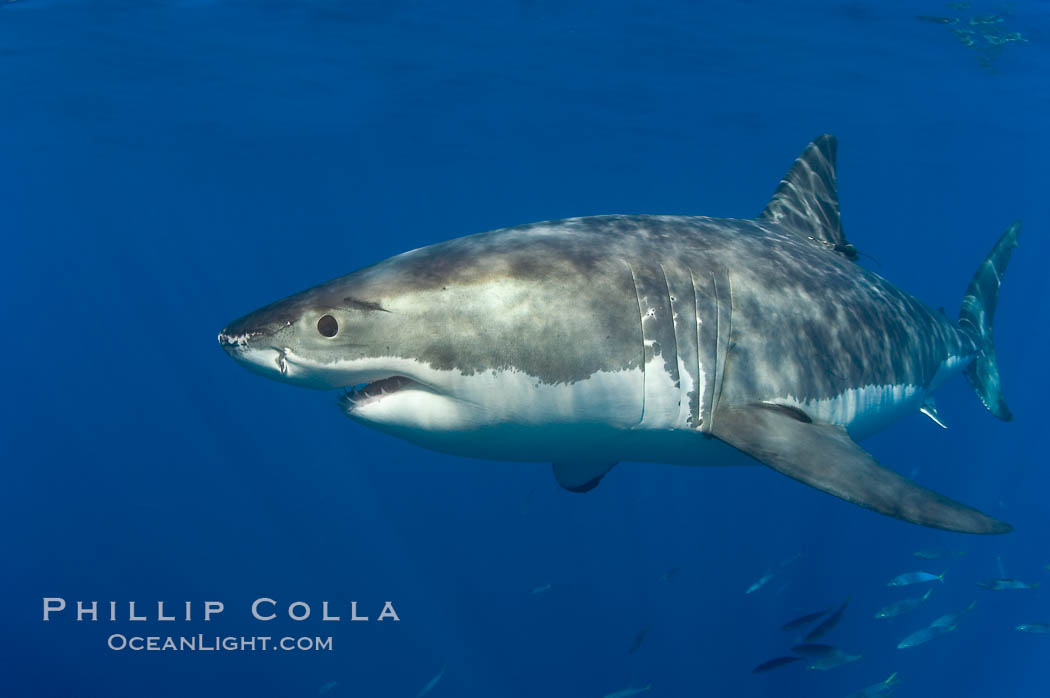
column 239, row 340
column 356, row 395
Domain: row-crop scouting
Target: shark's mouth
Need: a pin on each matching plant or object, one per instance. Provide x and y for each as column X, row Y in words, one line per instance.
column 357, row 395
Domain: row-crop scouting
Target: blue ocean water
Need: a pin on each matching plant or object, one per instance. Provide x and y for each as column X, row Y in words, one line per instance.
column 166, row 166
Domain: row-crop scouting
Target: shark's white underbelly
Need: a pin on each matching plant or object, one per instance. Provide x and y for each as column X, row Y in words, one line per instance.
column 627, row 415
column 868, row 409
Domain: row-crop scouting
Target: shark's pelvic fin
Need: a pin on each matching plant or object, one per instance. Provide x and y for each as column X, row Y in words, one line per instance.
column 580, row 477
column 807, row 200
column 824, row 456
column 976, row 317
column 929, row 408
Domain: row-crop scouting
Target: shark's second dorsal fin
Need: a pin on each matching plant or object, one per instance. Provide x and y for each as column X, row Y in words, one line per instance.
column 807, row 201
column 929, row 408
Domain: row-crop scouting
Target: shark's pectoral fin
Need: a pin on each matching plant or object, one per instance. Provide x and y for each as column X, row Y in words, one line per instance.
column 825, row 457
column 580, row 477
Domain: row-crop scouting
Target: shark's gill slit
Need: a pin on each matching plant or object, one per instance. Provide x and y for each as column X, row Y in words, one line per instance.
column 728, row 335
column 674, row 330
column 641, row 333
column 699, row 353
column 719, row 367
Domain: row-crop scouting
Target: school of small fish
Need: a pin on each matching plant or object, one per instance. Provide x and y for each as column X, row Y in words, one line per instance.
column 809, row 649
column 821, row 656
column 986, row 35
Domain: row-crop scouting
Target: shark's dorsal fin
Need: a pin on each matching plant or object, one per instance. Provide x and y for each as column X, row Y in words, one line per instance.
column 807, row 201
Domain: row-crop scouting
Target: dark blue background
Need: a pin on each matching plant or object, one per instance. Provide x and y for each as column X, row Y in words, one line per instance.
column 168, row 166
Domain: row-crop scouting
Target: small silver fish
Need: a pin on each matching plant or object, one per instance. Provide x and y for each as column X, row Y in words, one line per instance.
column 828, row 623
column 670, row 574
column 804, row 620
column 965, row 37
column 881, row 688
column 937, row 20
column 1013, row 37
column 920, row 637
column 903, row 580
column 943, row 625
column 327, row 687
column 775, row 663
column 639, row 639
column 985, row 21
column 1005, row 584
column 625, row 693
column 951, row 620
column 541, row 589
column 764, row 579
column 430, row 684
column 899, row 608
column 1034, row 628
column 814, row 649
column 832, row 660
column 761, row 582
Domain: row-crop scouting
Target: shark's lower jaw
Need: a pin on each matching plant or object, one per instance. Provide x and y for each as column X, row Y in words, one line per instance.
column 357, row 396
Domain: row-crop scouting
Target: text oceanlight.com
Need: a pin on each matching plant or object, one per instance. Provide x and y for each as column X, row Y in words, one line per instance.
column 215, row 643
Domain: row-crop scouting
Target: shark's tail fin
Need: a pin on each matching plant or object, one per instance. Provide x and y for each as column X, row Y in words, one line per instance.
column 976, row 317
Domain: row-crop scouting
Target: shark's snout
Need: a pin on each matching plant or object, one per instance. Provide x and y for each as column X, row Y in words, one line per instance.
column 233, row 342
column 275, row 343
column 256, row 341
column 260, row 329
column 250, row 349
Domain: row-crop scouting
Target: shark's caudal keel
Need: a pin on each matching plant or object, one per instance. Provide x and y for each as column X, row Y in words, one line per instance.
column 674, row 339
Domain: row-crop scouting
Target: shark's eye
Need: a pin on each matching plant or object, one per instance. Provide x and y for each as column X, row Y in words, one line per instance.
column 327, row 326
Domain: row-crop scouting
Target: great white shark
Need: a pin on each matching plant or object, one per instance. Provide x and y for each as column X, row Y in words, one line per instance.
column 691, row 340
